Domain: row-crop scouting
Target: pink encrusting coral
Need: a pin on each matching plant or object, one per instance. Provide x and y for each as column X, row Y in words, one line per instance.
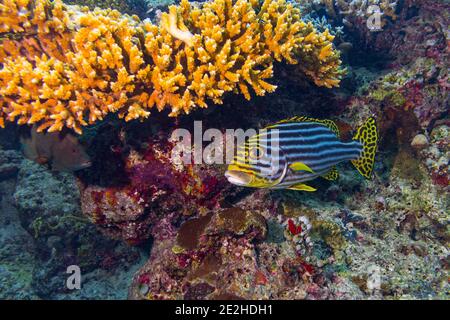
column 155, row 188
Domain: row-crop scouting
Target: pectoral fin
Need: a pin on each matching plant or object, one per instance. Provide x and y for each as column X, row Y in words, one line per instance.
column 300, row 166
column 331, row 175
column 302, row 187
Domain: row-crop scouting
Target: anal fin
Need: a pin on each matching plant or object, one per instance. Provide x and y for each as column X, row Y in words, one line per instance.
column 302, row 187
column 331, row 175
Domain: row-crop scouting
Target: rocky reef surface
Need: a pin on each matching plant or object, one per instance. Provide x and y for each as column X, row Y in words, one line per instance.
column 43, row 233
column 386, row 238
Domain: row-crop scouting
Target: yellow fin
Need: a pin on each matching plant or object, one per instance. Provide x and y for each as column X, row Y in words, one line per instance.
column 326, row 122
column 302, row 187
column 366, row 134
column 331, row 175
column 300, row 166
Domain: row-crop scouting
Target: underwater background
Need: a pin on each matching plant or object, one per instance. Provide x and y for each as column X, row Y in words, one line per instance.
column 108, row 198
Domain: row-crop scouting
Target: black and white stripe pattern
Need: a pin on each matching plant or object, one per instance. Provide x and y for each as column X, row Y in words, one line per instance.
column 313, row 144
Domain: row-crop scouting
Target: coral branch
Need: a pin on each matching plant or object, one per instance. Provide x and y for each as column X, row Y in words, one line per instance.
column 65, row 66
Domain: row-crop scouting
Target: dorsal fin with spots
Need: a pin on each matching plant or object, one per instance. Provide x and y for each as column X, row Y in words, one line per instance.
column 366, row 134
column 326, row 122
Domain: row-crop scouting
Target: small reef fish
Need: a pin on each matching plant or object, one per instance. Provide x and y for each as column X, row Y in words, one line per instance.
column 345, row 47
column 62, row 152
column 300, row 149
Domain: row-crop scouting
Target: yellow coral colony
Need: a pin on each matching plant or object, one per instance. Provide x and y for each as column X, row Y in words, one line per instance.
column 65, row 66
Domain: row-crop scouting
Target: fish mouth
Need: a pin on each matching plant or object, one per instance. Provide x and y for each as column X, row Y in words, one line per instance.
column 84, row 165
column 87, row 164
column 238, row 177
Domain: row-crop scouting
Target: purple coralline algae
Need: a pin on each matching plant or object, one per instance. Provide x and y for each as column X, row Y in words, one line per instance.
column 155, row 188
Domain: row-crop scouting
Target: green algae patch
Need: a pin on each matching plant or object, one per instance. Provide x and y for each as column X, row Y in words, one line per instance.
column 407, row 167
column 330, row 233
column 295, row 209
column 393, row 97
column 233, row 220
column 239, row 222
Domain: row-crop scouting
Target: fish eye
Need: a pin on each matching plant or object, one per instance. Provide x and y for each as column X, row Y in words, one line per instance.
column 243, row 153
column 256, row 153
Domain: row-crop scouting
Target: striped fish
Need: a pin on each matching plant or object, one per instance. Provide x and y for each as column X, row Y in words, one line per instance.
column 300, row 149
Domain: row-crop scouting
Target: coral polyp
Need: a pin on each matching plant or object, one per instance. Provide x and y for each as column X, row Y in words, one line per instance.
column 66, row 66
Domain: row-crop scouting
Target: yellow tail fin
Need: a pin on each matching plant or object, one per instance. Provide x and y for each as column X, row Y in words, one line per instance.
column 367, row 134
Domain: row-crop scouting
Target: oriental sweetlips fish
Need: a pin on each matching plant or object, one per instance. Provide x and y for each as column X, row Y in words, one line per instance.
column 300, row 149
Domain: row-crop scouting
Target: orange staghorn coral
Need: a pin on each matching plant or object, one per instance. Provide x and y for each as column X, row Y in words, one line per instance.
column 65, row 66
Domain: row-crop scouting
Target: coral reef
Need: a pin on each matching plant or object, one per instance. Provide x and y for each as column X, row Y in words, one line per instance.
column 322, row 24
column 9, row 164
column 130, row 7
column 43, row 232
column 354, row 13
column 347, row 254
column 154, row 187
column 211, row 257
column 411, row 96
column 385, row 238
column 16, row 246
column 50, row 75
column 48, row 207
column 437, row 155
